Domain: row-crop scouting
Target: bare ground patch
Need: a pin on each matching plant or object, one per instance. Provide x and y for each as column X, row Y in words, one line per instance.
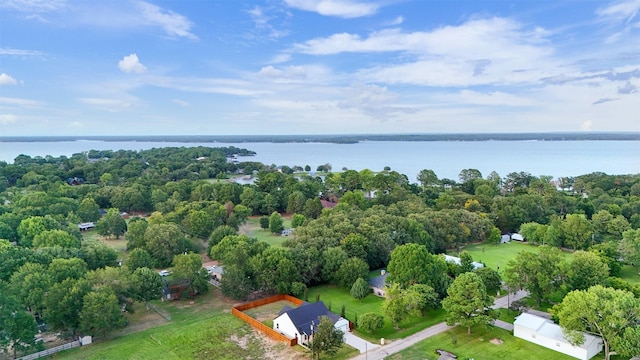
column 269, row 311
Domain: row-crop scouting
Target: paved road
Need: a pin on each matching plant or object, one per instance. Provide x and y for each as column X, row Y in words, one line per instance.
column 401, row 344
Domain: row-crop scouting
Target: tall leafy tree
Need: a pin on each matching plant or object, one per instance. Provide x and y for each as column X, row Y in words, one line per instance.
column 89, row 210
column 350, row 270
column 30, row 283
column 630, row 247
column 577, row 232
column 412, row 264
column 138, row 258
column 147, row 285
column 18, row 328
column 614, row 315
column 100, row 312
column 276, row 223
column 326, row 338
column 163, row 242
column 52, row 238
column 468, row 302
column 189, row 267
column 61, row 269
column 111, row 224
column 537, row 273
column 586, row 270
column 398, row 304
column 98, row 255
column 370, row 322
column 360, row 289
column 64, row 303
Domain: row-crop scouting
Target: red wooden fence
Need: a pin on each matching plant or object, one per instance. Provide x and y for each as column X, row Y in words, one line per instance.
column 238, row 312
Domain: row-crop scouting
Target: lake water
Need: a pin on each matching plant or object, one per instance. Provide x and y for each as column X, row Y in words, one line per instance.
column 445, row 158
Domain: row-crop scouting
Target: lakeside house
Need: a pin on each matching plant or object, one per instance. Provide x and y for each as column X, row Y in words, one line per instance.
column 545, row 332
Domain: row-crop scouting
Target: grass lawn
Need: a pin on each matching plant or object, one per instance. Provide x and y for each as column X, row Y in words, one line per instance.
column 119, row 245
column 478, row 346
column 252, row 229
column 335, row 297
column 204, row 329
column 630, row 274
column 494, row 255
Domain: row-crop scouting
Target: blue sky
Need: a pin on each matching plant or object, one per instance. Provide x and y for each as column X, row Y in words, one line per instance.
column 128, row 67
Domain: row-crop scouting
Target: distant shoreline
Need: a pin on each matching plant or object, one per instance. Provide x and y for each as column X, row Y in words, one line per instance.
column 340, row 139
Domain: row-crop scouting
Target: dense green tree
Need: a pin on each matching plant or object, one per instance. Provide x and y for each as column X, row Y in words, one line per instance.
column 135, row 233
column 610, row 255
column 163, row 242
column 89, row 210
column 412, row 264
column 276, row 223
column 326, row 338
column 236, row 282
column 427, row 298
column 18, row 328
column 52, row 238
column 111, row 224
column 295, row 202
column 577, row 232
column 490, row 278
column 147, row 285
column 360, row 289
column 466, row 262
column 264, row 222
column 537, row 273
column 199, row 224
column 586, row 270
column 30, row 283
column 189, row 267
column 427, row 178
column 370, row 322
column 630, row 247
column 64, row 303
column 356, row 245
column 100, row 312
column 34, row 225
column 297, row 220
column 608, row 313
column 73, row 268
column 398, row 305
column 332, row 258
column 533, row 232
column 274, row 270
column 220, row 233
column 312, row 208
column 468, row 303
column 138, row 258
column 98, row 255
column 350, row 270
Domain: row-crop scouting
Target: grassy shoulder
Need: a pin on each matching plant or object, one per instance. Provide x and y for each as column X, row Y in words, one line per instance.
column 483, row 343
column 497, row 255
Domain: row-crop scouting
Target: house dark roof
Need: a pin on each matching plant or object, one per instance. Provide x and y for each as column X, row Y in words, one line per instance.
column 307, row 314
column 328, row 204
column 378, row 281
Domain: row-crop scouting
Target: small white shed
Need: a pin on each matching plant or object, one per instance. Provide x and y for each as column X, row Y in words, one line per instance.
column 546, row 333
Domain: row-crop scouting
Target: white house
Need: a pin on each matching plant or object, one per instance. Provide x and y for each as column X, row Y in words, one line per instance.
column 300, row 322
column 546, row 333
column 456, row 260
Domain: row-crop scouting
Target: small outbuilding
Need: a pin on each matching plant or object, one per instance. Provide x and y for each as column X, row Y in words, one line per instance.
column 545, row 332
column 517, row 237
column 456, row 260
column 379, row 284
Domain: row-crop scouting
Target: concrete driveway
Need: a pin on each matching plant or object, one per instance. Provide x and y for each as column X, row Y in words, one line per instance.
column 356, row 342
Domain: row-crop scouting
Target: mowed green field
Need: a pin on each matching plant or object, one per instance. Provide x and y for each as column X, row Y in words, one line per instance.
column 252, row 229
column 494, row 255
column 204, row 329
column 630, row 274
column 478, row 346
column 334, row 297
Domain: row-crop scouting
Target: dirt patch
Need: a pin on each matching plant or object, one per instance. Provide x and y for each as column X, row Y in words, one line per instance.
column 268, row 311
column 496, row 341
column 246, row 229
column 276, row 350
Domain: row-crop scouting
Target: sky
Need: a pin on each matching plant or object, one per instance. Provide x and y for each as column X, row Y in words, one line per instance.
column 226, row 67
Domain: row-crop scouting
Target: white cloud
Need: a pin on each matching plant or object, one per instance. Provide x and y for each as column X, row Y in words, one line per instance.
column 181, row 102
column 261, row 22
column 479, row 51
column 586, row 126
column 131, row 64
column 280, row 58
column 620, row 11
column 339, row 8
column 20, row 52
column 111, row 105
column 19, row 102
column 174, row 24
column 397, row 21
column 7, row 80
column 34, row 6
column 6, row 119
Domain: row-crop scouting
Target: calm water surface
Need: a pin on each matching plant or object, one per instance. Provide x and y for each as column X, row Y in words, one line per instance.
column 445, row 158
